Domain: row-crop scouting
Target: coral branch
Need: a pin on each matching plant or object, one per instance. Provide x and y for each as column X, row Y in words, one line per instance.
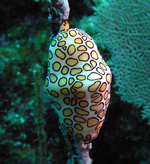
column 39, row 117
column 83, row 150
column 63, row 9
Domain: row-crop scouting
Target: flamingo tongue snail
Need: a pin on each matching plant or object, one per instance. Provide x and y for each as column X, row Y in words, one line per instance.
column 79, row 81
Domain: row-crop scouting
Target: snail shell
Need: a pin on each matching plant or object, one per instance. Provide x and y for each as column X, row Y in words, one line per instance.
column 79, row 81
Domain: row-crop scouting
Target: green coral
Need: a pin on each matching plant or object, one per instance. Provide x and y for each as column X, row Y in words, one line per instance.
column 146, row 112
column 123, row 28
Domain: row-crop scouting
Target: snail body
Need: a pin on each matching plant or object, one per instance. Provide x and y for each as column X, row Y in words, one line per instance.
column 79, row 81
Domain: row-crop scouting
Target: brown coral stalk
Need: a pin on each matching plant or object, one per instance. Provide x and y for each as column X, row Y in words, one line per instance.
column 82, row 150
column 39, row 118
column 63, row 9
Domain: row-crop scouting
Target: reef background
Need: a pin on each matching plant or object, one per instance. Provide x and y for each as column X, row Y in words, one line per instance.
column 25, row 34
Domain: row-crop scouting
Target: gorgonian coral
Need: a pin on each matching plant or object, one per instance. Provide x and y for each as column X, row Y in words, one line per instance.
column 124, row 28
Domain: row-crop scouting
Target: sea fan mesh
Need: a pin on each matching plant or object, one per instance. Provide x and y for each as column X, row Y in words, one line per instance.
column 123, row 26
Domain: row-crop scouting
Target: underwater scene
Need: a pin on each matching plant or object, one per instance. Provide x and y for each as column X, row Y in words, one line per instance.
column 74, row 81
